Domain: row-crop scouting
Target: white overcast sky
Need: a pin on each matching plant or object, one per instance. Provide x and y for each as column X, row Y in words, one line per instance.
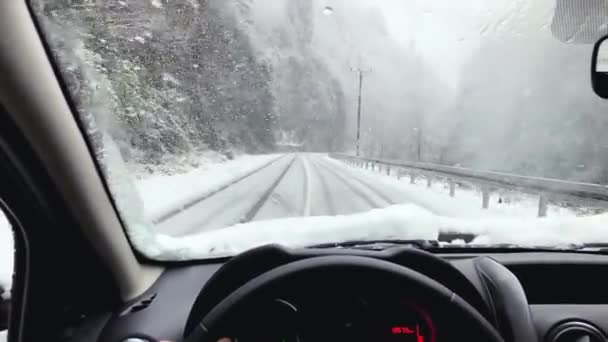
column 447, row 32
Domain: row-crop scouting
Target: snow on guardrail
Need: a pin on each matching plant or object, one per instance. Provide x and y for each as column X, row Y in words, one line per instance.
column 546, row 188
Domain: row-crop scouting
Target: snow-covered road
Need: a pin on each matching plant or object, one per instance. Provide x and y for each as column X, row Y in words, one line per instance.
column 306, row 199
column 294, row 185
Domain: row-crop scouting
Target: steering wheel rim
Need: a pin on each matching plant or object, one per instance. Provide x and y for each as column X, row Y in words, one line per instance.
column 205, row 331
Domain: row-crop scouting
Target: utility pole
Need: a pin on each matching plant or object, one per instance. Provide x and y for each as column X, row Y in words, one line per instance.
column 360, row 72
column 418, row 143
column 419, row 152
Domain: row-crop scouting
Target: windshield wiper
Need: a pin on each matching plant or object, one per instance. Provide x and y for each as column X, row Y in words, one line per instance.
column 380, row 244
column 436, row 246
column 592, row 247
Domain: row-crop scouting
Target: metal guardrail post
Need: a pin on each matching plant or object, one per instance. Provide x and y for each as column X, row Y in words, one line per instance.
column 388, row 170
column 485, row 198
column 412, row 178
column 428, row 181
column 543, row 203
column 452, row 188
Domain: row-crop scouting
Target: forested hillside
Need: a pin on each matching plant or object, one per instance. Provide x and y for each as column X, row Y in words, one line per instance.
column 309, row 97
column 164, row 77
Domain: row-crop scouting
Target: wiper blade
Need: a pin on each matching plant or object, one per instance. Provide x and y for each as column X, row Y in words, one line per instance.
column 592, row 246
column 436, row 246
column 380, row 244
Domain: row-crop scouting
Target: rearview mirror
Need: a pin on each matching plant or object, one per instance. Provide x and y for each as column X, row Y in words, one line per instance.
column 599, row 68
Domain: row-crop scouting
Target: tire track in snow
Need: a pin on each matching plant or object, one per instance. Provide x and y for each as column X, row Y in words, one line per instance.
column 202, row 198
column 444, row 236
column 258, row 205
column 356, row 190
column 307, row 186
column 348, row 179
column 329, row 199
column 227, row 209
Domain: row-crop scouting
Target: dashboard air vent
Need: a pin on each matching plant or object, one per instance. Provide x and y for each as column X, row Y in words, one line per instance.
column 575, row 332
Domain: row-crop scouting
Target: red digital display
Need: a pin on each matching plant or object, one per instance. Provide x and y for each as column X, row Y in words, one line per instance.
column 405, row 330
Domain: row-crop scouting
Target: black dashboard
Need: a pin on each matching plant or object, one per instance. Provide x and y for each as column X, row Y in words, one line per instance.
column 532, row 296
column 338, row 315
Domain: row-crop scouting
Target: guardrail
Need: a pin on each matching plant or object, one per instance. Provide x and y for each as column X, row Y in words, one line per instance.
column 546, row 188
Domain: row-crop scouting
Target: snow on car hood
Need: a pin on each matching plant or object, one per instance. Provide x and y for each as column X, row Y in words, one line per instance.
column 404, row 221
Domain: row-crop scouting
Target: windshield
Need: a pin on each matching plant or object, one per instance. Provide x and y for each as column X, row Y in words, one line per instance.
column 221, row 125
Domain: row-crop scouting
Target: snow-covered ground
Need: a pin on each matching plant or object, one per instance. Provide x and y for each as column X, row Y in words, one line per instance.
column 467, row 202
column 403, row 221
column 429, row 212
column 243, row 201
column 162, row 193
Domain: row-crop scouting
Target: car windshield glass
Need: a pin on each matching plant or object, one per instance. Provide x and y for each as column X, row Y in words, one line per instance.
column 220, row 125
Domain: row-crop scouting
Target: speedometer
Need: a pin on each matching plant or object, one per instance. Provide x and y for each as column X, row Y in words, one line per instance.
column 368, row 320
column 348, row 318
column 407, row 323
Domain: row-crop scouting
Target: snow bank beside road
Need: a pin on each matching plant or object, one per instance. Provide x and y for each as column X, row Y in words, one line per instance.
column 300, row 231
column 163, row 194
column 176, row 164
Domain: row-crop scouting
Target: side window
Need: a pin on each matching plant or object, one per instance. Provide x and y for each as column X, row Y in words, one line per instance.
column 6, row 273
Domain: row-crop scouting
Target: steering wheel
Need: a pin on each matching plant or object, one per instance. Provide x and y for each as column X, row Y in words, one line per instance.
column 352, row 271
